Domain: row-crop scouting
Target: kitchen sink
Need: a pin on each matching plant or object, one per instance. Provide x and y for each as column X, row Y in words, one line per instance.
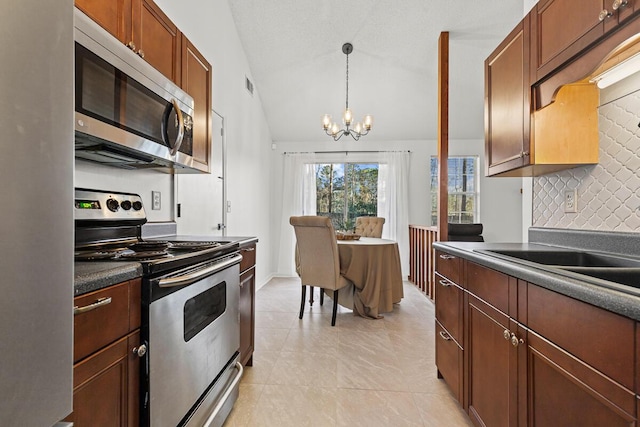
column 608, row 270
column 621, row 275
column 568, row 258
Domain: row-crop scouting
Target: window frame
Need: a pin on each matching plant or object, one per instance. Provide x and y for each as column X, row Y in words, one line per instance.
column 433, row 176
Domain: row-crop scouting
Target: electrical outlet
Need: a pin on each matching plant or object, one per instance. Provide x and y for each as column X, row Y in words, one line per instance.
column 571, row 200
column 155, row 197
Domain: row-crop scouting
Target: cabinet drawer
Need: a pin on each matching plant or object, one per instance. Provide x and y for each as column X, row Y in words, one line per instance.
column 448, row 266
column 248, row 257
column 105, row 320
column 488, row 285
column 449, row 307
column 449, row 361
column 602, row 339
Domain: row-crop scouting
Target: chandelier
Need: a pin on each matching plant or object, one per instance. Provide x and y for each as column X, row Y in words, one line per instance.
column 360, row 128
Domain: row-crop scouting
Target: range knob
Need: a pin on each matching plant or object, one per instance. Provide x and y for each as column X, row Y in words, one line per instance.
column 126, row 205
column 137, row 205
column 113, row 205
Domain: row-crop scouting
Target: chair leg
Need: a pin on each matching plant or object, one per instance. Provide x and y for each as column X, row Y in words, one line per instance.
column 311, row 297
column 304, row 295
column 321, row 296
column 335, row 307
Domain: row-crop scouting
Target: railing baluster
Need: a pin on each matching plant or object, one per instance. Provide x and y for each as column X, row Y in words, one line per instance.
column 421, row 258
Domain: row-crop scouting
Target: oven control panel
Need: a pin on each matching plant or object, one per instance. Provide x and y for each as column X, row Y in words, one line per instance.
column 98, row 205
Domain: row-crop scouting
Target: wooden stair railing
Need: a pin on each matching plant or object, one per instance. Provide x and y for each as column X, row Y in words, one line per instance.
column 421, row 258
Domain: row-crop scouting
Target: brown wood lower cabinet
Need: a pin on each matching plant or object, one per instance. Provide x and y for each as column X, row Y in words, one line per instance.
column 106, row 375
column 542, row 359
column 492, row 365
column 247, row 303
column 565, row 391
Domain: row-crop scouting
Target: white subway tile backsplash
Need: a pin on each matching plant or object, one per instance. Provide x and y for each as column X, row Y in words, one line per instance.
column 609, row 192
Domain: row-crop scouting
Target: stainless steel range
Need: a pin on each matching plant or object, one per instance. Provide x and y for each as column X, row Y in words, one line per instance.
column 190, row 319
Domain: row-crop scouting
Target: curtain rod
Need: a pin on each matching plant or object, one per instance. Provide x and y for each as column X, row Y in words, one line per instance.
column 344, row 151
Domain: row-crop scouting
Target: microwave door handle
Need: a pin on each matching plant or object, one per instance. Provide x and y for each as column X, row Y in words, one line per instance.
column 173, row 146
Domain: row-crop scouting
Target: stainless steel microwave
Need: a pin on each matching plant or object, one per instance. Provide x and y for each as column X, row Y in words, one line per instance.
column 127, row 114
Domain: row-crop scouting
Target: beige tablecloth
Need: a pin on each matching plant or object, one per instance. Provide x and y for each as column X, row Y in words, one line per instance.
column 373, row 265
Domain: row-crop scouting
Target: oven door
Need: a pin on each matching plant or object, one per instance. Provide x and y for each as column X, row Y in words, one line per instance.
column 193, row 337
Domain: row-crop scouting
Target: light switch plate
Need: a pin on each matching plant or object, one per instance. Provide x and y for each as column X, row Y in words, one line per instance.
column 156, row 201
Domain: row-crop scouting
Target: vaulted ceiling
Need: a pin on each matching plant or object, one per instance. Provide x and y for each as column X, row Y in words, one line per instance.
column 294, row 49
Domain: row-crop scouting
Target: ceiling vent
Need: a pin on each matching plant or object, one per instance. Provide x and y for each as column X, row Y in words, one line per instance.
column 249, row 85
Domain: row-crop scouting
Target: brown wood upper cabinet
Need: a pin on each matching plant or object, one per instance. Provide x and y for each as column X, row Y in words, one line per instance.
column 522, row 139
column 196, row 81
column 143, row 27
column 563, row 29
column 156, row 39
column 507, row 107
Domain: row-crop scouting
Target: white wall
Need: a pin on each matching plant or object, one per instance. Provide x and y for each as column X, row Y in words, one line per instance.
column 209, row 26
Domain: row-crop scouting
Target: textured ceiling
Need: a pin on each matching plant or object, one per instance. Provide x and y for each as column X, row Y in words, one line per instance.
column 294, row 49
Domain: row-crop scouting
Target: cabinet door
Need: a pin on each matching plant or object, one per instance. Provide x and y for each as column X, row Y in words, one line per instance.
column 507, row 103
column 247, row 310
column 562, row 29
column 100, row 386
column 112, row 15
column 156, row 38
column 564, row 391
column 492, row 363
column 196, row 81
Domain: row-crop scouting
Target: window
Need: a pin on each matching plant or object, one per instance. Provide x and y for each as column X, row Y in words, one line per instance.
column 345, row 191
column 463, row 190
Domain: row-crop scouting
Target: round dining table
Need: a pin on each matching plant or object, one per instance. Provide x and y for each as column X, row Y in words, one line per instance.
column 373, row 266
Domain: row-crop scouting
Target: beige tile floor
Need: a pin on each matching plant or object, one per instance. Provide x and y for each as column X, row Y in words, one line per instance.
column 361, row 372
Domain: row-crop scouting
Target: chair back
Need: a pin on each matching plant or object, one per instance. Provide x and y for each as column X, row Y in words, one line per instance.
column 369, row 226
column 319, row 262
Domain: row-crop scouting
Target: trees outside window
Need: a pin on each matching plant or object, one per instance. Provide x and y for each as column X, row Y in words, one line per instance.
column 463, row 190
column 345, row 191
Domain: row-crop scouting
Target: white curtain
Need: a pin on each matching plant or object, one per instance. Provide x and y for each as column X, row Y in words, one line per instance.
column 393, row 201
column 298, row 198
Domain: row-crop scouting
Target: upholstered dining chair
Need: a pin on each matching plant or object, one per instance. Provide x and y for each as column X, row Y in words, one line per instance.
column 319, row 262
column 369, row 226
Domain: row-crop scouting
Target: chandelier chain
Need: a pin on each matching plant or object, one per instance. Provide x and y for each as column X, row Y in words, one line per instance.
column 347, row 106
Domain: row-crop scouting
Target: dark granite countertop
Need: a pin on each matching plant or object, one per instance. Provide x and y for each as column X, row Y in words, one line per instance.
column 621, row 299
column 95, row 275
column 92, row 276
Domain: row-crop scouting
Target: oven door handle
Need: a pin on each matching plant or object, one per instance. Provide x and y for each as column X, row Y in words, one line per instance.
column 193, row 277
column 225, row 396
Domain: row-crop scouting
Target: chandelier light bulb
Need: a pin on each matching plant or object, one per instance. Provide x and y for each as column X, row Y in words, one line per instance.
column 326, row 121
column 368, row 122
column 361, row 128
column 347, row 118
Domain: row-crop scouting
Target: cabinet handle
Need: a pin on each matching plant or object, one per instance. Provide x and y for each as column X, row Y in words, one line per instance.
column 141, row 53
column 99, row 303
column 506, row 334
column 604, row 15
column 515, row 341
column 443, row 256
column 140, row 351
column 249, row 249
column 445, row 336
column 131, row 45
column 617, row 4
column 524, row 154
column 444, row 283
